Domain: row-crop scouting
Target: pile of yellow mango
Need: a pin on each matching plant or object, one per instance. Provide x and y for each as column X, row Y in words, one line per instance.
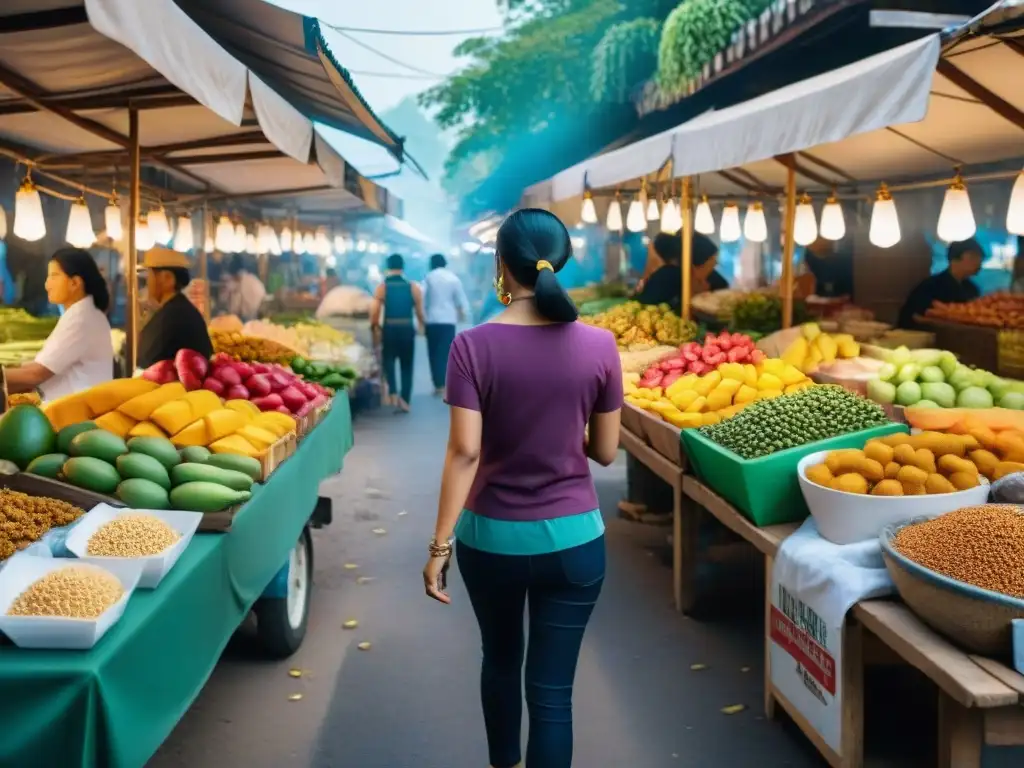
column 141, row 408
column 814, row 347
column 697, row 401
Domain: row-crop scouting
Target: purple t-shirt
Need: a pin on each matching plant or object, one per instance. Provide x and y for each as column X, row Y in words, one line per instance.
column 536, row 387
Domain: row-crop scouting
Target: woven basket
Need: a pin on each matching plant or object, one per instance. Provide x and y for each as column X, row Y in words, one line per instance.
column 977, row 619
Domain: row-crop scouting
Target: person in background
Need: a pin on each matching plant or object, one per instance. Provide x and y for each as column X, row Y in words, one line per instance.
column 397, row 299
column 329, row 282
column 176, row 324
column 1017, row 280
column 78, row 353
column 532, row 395
column 951, row 286
column 665, row 284
column 245, row 291
column 831, row 269
column 446, row 306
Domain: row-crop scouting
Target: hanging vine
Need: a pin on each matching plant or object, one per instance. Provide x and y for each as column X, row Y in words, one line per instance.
column 694, row 33
column 626, row 55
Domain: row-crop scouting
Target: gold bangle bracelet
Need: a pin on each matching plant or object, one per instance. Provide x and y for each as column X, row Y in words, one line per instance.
column 439, row 550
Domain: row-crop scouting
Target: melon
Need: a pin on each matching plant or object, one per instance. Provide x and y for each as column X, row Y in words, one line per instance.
column 25, row 434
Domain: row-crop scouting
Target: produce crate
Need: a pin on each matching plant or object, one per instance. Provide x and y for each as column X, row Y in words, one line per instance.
column 766, row 490
column 308, row 423
column 276, row 454
column 655, row 432
column 34, row 485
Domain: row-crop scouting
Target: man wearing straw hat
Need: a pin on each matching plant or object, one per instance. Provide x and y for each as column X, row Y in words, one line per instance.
column 176, row 324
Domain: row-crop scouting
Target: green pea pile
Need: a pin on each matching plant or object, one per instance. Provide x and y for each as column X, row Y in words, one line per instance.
column 813, row 414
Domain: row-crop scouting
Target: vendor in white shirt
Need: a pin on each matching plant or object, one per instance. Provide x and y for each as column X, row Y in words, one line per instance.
column 79, row 353
column 245, row 291
column 446, row 305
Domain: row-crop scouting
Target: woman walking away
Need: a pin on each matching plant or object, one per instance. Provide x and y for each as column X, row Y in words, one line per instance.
column 397, row 297
column 517, row 491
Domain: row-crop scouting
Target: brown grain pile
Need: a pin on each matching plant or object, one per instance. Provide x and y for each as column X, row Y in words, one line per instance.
column 74, row 592
column 132, row 536
column 982, row 546
column 24, row 519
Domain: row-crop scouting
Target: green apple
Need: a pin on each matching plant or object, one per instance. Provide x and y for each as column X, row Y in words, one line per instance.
column 974, row 397
column 939, row 392
column 932, row 374
column 948, row 363
column 908, row 393
column 882, row 391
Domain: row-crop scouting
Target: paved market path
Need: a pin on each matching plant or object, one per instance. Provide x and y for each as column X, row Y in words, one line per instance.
column 411, row 701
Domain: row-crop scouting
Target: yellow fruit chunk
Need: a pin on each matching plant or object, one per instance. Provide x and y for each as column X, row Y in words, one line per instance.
column 849, row 349
column 718, row 399
column 108, row 396
column 244, row 406
column 706, row 384
column 732, row 371
column 750, row 374
column 67, row 410
column 797, row 387
column 686, row 420
column 141, row 407
column 707, row 419
column 234, row 444
column 795, row 353
column 194, row 434
column 714, row 377
column 659, row 407
column 261, row 438
column 745, row 394
column 828, row 347
column 732, row 386
column 769, row 381
column 810, row 331
column 278, row 423
column 790, row 374
column 146, row 429
column 221, row 423
column 768, row 394
column 697, row 405
column 203, row 401
column 681, row 384
column 681, row 401
column 116, row 422
column 173, row 417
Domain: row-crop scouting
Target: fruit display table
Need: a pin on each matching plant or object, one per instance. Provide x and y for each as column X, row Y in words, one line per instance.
column 979, row 699
column 114, row 705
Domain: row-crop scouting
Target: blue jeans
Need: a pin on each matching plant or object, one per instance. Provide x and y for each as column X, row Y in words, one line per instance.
column 563, row 588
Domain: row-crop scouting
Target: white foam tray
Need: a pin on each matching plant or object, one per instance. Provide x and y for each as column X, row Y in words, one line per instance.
column 154, row 567
column 52, row 632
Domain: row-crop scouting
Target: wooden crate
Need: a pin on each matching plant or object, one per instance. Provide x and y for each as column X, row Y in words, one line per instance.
column 277, row 454
column 309, row 422
column 654, row 432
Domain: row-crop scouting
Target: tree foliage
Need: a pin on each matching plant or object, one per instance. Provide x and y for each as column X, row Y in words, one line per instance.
column 626, row 55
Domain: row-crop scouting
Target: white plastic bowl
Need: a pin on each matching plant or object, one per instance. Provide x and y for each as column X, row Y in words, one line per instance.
column 154, row 567
column 50, row 631
column 846, row 518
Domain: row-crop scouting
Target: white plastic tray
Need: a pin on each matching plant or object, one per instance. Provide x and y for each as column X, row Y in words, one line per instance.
column 846, row 518
column 154, row 567
column 52, row 632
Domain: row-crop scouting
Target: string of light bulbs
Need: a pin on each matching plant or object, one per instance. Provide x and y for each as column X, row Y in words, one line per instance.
column 956, row 217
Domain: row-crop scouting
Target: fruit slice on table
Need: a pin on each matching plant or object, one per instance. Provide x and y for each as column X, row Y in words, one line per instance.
column 92, row 474
column 221, row 423
column 146, row 429
column 195, row 434
column 67, row 410
column 234, row 444
column 159, row 448
column 243, row 407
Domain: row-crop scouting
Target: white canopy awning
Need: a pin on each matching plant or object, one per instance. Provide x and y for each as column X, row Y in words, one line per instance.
column 885, row 89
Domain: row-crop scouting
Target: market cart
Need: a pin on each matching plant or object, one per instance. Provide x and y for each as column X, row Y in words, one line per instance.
column 115, row 704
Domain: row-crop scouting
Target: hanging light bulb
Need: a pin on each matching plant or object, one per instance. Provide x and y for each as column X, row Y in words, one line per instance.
column 80, row 233
column 339, row 244
column 755, row 227
column 28, row 212
column 805, row 224
column 159, row 226
column 309, row 243
column 225, row 235
column 730, row 226
column 112, row 218
column 361, row 246
column 636, row 218
column 833, row 225
column 208, row 245
column 653, row 214
column 240, row 240
column 3, row 223
column 884, row 230
column 1015, row 213
column 183, row 240
column 286, row 239
column 671, row 219
column 262, row 238
column 704, row 220
column 298, row 244
column 275, row 244
column 251, row 246
column 588, row 214
column 614, row 220
column 143, row 234
column 956, row 219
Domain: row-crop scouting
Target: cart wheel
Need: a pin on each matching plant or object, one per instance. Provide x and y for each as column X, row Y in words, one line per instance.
column 281, row 622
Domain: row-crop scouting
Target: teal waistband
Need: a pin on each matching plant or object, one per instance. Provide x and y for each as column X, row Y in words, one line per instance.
column 531, row 537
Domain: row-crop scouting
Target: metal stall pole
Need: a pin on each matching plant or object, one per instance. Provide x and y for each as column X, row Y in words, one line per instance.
column 203, row 266
column 788, row 247
column 131, row 278
column 686, row 232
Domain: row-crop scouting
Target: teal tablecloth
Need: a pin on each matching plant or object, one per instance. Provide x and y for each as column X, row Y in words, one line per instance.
column 114, row 705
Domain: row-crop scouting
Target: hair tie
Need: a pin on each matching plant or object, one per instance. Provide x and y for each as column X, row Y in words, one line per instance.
column 543, row 264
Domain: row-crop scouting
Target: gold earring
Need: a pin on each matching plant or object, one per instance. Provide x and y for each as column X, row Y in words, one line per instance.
column 499, row 287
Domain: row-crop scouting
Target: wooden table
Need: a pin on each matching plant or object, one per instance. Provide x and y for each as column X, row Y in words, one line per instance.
column 980, row 699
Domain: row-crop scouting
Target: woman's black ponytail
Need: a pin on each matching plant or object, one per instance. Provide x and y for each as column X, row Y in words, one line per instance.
column 74, row 262
column 534, row 244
